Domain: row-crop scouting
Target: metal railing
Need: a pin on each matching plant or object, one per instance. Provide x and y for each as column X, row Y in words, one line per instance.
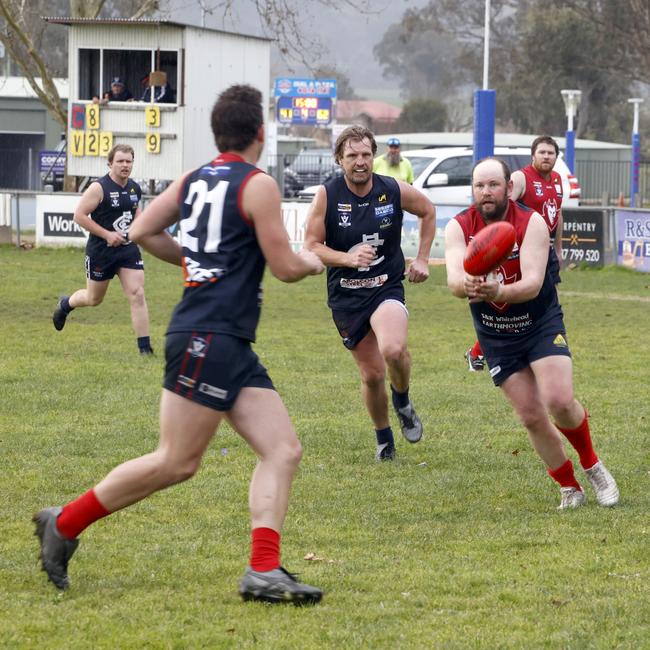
column 605, row 182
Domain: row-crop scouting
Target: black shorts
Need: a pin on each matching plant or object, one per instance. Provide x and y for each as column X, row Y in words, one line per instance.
column 516, row 353
column 103, row 265
column 354, row 325
column 211, row 368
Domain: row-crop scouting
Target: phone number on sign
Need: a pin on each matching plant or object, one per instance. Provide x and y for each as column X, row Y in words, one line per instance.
column 581, row 254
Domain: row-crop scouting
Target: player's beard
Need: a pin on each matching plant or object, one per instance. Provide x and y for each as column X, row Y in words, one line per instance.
column 393, row 158
column 493, row 212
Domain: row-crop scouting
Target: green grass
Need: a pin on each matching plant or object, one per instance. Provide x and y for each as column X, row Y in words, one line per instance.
column 457, row 544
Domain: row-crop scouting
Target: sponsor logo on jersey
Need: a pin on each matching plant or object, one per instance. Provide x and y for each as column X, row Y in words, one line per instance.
column 213, row 391
column 185, row 381
column 344, row 207
column 386, row 222
column 382, row 198
column 384, row 210
column 344, row 220
column 560, row 341
column 364, row 283
column 134, row 197
column 197, row 347
column 115, row 199
column 363, row 205
column 539, row 190
column 558, row 189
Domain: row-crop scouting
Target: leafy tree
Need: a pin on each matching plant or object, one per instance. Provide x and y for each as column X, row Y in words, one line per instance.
column 422, row 115
column 536, row 49
column 344, row 89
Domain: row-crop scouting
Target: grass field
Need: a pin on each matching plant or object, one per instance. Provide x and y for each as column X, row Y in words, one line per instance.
column 457, row 544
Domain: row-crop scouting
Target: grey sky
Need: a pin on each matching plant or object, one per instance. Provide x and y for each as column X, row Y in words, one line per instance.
column 347, row 36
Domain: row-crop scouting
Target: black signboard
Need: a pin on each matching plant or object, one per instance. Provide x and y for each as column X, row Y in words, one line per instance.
column 583, row 239
column 60, row 224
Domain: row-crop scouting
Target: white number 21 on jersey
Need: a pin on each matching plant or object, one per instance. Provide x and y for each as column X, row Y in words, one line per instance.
column 204, row 220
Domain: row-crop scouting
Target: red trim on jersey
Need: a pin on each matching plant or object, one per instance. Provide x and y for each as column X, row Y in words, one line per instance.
column 181, row 189
column 226, row 158
column 240, row 195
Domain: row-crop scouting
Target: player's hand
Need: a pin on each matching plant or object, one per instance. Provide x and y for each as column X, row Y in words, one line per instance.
column 312, row 260
column 418, row 270
column 362, row 256
column 114, row 238
column 481, row 288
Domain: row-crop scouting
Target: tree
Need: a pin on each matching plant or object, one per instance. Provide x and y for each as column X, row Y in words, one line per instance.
column 344, row 88
column 536, row 49
column 422, row 115
column 34, row 47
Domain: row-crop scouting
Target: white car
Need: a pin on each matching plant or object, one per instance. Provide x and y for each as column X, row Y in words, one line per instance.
column 444, row 174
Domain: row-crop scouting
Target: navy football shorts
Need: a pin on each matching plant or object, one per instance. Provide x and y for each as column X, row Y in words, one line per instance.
column 103, row 265
column 354, row 325
column 211, row 368
column 510, row 355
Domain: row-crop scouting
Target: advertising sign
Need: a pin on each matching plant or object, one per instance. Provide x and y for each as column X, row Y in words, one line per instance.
column 54, row 223
column 583, row 240
column 53, row 161
column 293, row 87
column 633, row 239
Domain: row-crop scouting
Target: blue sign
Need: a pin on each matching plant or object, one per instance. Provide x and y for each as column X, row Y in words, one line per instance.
column 633, row 239
column 51, row 161
column 292, row 87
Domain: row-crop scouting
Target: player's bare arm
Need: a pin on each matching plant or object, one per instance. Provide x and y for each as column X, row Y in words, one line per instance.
column 360, row 257
column 558, row 237
column 263, row 204
column 415, row 202
column 88, row 203
column 149, row 228
column 454, row 253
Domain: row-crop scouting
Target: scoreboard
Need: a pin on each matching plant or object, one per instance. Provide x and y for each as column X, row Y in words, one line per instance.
column 304, row 110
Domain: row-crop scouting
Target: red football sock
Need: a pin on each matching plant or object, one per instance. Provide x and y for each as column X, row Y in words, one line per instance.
column 79, row 514
column 265, row 549
column 476, row 350
column 564, row 475
column 580, row 439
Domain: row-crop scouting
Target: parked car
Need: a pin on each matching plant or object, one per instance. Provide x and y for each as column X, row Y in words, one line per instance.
column 444, row 174
column 311, row 167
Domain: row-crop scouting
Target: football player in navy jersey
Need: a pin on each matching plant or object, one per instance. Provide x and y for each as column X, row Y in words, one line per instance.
column 355, row 227
column 106, row 210
column 229, row 213
column 519, row 323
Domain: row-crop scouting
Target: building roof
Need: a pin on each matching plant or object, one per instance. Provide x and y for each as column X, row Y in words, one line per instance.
column 347, row 109
column 61, row 20
column 424, row 140
column 19, row 87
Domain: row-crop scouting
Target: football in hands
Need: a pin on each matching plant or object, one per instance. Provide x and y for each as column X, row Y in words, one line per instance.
column 489, row 247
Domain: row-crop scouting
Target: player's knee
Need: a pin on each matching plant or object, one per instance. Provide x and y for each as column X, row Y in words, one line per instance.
column 373, row 376
column 560, row 405
column 93, row 301
column 136, row 296
column 288, row 453
column 394, row 352
column 532, row 419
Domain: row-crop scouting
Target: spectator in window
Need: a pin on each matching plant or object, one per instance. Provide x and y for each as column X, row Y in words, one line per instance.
column 118, row 93
column 161, row 94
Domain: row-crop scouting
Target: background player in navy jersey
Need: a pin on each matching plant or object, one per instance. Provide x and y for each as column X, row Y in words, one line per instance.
column 538, row 187
column 355, row 227
column 106, row 210
column 231, row 225
column 519, row 322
